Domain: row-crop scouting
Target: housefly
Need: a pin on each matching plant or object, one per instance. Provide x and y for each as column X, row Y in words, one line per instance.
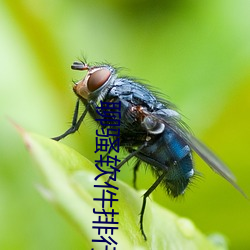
column 151, row 130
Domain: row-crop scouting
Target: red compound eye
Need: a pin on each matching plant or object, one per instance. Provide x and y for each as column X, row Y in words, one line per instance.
column 97, row 79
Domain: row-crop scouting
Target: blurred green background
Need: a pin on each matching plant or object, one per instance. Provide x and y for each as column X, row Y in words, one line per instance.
column 195, row 52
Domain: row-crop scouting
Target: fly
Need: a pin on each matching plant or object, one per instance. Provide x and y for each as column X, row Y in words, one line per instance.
column 151, row 130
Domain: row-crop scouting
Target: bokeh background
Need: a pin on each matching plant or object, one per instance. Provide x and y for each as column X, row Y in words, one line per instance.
column 195, row 52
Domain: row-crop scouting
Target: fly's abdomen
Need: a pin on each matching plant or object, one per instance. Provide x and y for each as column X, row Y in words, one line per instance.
column 168, row 153
column 180, row 166
column 177, row 178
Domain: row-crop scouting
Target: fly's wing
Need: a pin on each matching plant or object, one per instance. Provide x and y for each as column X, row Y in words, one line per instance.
column 208, row 156
column 175, row 124
column 212, row 160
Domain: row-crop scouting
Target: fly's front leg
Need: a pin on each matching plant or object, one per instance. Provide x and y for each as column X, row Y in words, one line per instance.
column 145, row 196
column 75, row 123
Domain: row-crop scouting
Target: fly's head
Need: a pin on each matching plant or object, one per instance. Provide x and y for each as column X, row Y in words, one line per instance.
column 95, row 81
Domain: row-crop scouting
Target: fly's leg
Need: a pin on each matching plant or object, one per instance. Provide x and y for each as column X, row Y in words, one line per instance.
column 145, row 196
column 127, row 158
column 75, row 123
column 136, row 167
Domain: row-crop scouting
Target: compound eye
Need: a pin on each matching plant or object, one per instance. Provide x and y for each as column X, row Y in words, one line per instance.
column 97, row 79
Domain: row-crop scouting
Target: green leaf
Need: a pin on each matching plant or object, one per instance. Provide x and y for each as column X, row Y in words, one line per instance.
column 69, row 181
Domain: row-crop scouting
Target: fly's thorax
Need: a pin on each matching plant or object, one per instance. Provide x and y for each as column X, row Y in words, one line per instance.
column 95, row 84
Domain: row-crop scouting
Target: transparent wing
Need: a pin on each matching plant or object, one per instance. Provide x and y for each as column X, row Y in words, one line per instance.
column 207, row 155
column 175, row 124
